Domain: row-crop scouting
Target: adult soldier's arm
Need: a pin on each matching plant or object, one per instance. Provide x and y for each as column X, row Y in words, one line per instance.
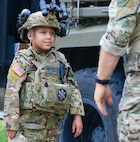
column 114, row 43
column 107, row 64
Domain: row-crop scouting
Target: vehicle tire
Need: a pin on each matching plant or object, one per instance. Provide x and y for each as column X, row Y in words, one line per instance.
column 97, row 128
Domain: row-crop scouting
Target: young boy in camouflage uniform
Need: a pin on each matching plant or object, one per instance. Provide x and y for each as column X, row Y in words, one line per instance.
column 41, row 88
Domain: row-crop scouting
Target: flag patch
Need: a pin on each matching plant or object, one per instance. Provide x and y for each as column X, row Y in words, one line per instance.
column 18, row 70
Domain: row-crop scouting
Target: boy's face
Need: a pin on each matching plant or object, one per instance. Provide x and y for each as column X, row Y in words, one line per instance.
column 42, row 38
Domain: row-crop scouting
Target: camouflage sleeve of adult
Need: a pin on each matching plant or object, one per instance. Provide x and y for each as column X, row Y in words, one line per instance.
column 122, row 22
column 16, row 75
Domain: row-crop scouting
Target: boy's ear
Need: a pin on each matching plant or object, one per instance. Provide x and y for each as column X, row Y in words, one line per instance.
column 29, row 35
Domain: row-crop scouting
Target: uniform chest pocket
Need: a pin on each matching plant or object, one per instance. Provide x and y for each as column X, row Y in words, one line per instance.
column 48, row 94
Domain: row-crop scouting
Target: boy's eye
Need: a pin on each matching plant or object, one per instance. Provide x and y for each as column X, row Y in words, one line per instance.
column 43, row 32
column 50, row 33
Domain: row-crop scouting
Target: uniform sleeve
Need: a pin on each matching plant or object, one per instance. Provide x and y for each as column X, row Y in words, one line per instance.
column 16, row 75
column 122, row 22
column 76, row 104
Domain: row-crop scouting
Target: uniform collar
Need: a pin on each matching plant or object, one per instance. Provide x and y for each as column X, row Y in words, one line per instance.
column 39, row 55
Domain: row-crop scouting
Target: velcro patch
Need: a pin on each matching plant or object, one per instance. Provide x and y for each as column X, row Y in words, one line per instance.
column 13, row 76
column 18, row 70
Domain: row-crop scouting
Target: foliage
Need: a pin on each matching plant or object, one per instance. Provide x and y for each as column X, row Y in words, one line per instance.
column 3, row 135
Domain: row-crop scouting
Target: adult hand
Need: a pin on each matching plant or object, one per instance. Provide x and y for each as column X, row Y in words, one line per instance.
column 102, row 93
column 77, row 125
column 11, row 133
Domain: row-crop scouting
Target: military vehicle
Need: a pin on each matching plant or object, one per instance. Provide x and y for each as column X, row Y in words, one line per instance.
column 81, row 48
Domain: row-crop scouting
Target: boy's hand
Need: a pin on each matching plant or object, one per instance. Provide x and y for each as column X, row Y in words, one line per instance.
column 77, row 125
column 11, row 133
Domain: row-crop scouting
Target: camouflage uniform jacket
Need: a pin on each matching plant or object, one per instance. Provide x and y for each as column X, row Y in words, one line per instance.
column 123, row 28
column 19, row 72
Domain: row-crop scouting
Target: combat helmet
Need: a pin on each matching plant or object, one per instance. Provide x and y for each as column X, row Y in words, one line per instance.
column 37, row 19
column 45, row 17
